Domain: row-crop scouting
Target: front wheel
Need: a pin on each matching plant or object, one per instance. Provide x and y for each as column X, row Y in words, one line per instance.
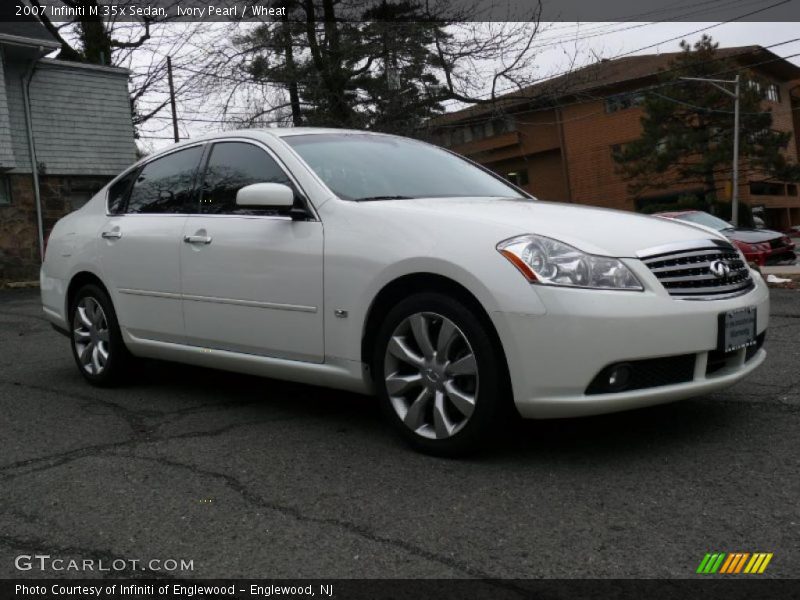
column 97, row 344
column 440, row 378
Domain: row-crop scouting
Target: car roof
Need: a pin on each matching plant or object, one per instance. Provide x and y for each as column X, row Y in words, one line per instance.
column 278, row 132
column 256, row 133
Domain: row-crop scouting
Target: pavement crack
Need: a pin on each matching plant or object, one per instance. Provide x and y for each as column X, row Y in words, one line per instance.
column 55, row 460
column 256, row 500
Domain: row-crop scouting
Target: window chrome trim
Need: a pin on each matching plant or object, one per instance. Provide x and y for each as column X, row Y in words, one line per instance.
column 138, row 167
column 313, row 216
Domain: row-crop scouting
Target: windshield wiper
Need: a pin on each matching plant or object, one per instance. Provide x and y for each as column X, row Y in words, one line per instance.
column 371, row 198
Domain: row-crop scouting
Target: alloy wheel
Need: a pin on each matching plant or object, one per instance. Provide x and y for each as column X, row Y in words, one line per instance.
column 431, row 375
column 91, row 336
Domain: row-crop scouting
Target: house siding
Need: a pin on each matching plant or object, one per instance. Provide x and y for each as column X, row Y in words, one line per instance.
column 83, row 135
column 6, row 148
column 81, row 120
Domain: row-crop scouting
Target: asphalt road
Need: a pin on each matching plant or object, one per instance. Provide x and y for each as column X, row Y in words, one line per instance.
column 251, row 477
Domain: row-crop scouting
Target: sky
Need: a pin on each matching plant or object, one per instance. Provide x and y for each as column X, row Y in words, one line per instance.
column 587, row 42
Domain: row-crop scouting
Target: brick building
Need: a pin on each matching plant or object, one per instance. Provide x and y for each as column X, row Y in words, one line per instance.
column 72, row 120
column 557, row 138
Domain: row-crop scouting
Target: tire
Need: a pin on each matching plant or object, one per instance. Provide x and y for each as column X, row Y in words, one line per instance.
column 439, row 376
column 97, row 345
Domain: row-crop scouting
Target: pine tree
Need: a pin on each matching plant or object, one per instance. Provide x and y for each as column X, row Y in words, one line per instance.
column 687, row 129
column 376, row 73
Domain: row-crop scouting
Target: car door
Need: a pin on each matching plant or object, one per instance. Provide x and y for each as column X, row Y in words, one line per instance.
column 251, row 279
column 141, row 241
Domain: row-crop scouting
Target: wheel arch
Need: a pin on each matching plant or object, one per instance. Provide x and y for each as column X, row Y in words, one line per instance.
column 412, row 283
column 78, row 280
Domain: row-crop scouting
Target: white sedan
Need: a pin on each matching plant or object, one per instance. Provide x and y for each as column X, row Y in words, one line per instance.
column 380, row 264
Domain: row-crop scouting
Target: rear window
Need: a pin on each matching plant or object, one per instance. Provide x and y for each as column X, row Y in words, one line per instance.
column 118, row 193
column 165, row 185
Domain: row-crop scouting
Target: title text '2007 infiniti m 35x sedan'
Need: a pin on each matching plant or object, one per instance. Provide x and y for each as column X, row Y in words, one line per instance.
column 384, row 265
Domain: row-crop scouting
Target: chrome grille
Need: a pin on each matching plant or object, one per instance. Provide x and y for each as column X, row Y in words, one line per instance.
column 685, row 270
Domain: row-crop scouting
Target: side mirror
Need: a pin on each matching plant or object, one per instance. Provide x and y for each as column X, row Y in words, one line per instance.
column 265, row 195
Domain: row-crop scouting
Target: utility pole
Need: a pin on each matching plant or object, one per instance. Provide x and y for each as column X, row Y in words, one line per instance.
column 172, row 100
column 719, row 84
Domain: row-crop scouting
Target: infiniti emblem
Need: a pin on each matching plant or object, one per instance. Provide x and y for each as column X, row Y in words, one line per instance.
column 720, row 269
column 432, row 375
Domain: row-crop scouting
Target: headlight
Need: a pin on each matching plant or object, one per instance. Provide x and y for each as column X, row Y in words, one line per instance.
column 544, row 260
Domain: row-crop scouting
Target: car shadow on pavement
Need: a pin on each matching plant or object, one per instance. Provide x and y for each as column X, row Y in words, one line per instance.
column 646, row 431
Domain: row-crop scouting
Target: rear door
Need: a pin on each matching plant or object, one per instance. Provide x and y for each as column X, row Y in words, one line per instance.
column 141, row 241
column 251, row 279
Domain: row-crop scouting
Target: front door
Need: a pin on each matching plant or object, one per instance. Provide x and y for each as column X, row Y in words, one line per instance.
column 251, row 279
column 141, row 243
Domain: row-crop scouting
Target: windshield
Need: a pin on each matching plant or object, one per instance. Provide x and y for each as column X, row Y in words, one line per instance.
column 378, row 167
column 705, row 219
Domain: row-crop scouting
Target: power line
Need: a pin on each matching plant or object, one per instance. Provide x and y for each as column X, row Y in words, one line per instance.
column 591, row 97
column 624, row 54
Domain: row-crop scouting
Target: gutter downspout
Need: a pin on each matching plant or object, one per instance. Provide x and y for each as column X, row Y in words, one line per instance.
column 26, row 100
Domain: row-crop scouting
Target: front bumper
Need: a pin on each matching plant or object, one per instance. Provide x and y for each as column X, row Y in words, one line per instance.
column 552, row 358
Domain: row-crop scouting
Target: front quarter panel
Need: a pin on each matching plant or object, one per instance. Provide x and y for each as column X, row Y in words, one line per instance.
column 369, row 245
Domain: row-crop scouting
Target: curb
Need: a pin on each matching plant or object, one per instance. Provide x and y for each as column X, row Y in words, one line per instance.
column 17, row 285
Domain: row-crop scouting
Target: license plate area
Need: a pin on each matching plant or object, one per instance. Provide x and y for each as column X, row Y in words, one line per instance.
column 737, row 329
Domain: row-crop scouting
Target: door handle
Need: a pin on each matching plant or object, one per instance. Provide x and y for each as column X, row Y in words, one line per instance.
column 111, row 235
column 197, row 239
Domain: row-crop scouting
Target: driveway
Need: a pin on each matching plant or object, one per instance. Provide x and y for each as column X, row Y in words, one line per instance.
column 249, row 477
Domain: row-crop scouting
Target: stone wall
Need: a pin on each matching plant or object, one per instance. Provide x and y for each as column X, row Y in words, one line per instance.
column 19, row 245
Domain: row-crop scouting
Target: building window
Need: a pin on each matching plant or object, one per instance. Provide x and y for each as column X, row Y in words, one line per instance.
column 791, row 189
column 5, row 191
column 518, row 177
column 773, row 93
column 503, row 125
column 766, row 188
column 623, row 101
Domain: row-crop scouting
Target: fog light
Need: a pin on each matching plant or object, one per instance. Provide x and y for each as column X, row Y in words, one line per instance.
column 619, row 376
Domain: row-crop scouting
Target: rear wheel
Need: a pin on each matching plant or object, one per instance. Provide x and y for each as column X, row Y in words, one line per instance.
column 97, row 344
column 438, row 374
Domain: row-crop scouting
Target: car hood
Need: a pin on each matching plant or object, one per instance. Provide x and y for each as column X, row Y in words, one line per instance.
column 591, row 229
column 752, row 236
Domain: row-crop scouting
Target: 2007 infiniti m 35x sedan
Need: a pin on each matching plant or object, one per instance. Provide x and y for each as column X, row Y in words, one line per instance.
column 385, row 265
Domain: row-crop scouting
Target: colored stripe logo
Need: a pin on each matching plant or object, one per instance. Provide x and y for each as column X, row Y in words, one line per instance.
column 733, row 563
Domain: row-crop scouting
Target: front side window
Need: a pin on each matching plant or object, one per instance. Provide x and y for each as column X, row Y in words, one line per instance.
column 232, row 166
column 165, row 184
column 623, row 101
column 374, row 167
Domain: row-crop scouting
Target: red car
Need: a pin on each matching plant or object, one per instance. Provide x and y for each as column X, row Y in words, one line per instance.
column 760, row 246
